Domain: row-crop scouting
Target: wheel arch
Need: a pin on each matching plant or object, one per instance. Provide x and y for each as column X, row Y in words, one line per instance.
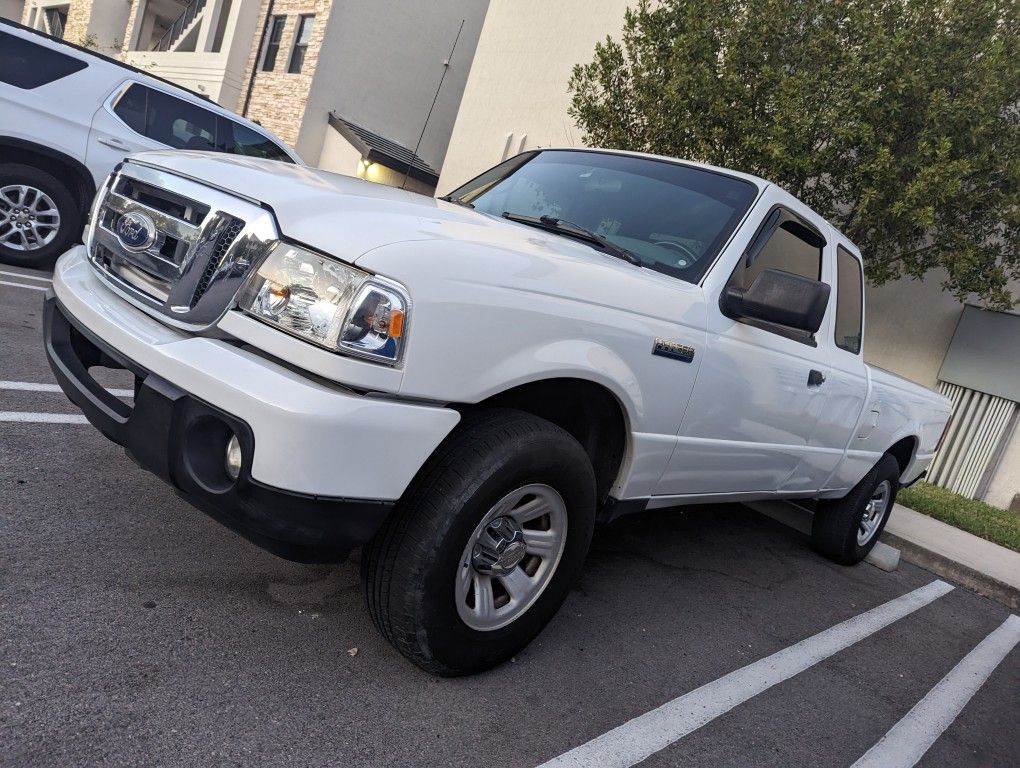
column 589, row 411
column 57, row 163
column 903, row 451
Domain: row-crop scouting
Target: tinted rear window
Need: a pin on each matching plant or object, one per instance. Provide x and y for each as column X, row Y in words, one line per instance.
column 25, row 64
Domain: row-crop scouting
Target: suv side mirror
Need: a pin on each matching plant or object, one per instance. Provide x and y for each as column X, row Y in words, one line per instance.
column 779, row 297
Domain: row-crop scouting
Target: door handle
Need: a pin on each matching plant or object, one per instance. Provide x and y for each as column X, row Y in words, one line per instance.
column 112, row 142
column 815, row 378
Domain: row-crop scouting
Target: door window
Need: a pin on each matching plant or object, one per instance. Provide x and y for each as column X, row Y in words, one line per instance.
column 787, row 243
column 27, row 65
column 784, row 242
column 849, row 301
column 239, row 139
column 167, row 119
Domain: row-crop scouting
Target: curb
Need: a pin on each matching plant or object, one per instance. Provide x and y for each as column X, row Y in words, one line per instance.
column 799, row 518
column 962, row 574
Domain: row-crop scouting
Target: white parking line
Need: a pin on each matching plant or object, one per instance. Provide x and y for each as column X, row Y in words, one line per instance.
column 911, row 737
column 26, row 277
column 28, row 386
column 22, row 285
column 645, row 735
column 43, row 418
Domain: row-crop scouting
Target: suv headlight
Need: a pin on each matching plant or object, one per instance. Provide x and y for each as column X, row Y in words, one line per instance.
column 328, row 303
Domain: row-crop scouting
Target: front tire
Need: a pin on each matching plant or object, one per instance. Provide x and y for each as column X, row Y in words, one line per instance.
column 39, row 216
column 482, row 549
column 846, row 530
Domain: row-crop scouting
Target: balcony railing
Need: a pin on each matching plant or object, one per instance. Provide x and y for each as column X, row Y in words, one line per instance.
column 181, row 23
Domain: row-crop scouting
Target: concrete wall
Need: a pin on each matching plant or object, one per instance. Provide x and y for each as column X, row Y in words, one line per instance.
column 909, row 326
column 1004, row 489
column 107, row 24
column 220, row 75
column 380, row 65
column 518, row 83
column 12, row 9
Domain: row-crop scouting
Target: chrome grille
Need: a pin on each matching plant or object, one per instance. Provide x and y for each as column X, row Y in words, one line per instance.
column 205, row 241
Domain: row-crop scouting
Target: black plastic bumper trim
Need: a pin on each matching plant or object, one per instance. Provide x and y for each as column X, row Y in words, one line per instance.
column 183, row 439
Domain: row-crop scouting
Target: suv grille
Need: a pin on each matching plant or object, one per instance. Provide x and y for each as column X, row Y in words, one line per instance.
column 176, row 248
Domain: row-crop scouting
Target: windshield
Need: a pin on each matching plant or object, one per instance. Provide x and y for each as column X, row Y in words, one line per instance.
column 672, row 217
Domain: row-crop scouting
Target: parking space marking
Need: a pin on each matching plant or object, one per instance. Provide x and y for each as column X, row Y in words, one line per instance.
column 908, row 740
column 29, row 386
column 22, row 285
column 653, row 731
column 26, row 277
column 43, row 418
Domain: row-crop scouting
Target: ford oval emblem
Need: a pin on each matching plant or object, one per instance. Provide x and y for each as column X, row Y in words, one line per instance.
column 136, row 231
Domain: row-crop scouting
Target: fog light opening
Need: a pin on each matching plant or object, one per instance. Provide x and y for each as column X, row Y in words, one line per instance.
column 232, row 459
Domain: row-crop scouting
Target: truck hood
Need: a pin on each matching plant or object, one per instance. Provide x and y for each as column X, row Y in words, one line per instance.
column 355, row 220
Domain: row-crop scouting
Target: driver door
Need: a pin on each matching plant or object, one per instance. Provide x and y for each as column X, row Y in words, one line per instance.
column 760, row 392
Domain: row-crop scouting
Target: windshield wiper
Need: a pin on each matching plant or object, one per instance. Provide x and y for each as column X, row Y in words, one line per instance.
column 552, row 224
column 455, row 201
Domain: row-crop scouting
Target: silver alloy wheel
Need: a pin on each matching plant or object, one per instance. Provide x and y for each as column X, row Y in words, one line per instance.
column 874, row 513
column 29, row 219
column 511, row 557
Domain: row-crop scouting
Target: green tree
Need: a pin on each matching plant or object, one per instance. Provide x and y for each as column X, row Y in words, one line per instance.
column 898, row 120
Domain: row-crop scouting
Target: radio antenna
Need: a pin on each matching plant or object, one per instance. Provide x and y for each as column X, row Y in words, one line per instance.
column 446, row 68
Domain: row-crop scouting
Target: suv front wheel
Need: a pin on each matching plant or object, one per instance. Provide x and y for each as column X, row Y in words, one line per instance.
column 482, row 549
column 39, row 216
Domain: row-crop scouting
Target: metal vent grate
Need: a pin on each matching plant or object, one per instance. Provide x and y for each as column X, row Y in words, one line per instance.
column 229, row 229
column 980, row 421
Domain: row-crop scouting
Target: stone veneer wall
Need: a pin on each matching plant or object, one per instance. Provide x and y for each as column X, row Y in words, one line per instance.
column 79, row 13
column 278, row 99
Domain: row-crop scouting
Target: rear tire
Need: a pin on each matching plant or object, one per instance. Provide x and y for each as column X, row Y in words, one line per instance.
column 426, row 575
column 40, row 217
column 845, row 530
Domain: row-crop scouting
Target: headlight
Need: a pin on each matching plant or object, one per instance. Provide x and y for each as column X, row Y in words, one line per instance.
column 328, row 303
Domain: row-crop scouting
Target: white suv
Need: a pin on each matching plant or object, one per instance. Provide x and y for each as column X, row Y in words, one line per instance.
column 69, row 115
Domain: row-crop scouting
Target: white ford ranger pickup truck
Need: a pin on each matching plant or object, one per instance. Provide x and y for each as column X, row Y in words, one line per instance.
column 464, row 386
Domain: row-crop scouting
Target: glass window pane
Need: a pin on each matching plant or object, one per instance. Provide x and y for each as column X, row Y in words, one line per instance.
column 130, row 107
column 242, row 140
column 24, row 64
column 849, row 301
column 786, row 251
column 302, row 37
column 673, row 217
column 178, row 124
column 273, row 43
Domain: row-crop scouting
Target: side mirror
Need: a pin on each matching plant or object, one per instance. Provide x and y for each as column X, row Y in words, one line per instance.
column 781, row 298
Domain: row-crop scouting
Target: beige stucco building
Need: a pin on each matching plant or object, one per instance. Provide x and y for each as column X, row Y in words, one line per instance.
column 97, row 24
column 516, row 98
column 309, row 69
column 362, row 87
column 12, row 9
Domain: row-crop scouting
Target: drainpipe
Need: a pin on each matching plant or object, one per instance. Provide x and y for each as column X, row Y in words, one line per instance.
column 258, row 55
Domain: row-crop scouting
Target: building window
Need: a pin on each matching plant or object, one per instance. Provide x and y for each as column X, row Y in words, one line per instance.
column 272, row 48
column 301, row 38
column 56, row 19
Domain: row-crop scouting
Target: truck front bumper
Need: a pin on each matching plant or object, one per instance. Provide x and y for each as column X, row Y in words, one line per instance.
column 321, row 466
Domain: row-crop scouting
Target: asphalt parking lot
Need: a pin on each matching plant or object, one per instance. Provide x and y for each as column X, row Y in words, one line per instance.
column 136, row 631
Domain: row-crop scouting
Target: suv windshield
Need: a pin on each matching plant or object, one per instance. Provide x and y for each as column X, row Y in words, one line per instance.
column 672, row 217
